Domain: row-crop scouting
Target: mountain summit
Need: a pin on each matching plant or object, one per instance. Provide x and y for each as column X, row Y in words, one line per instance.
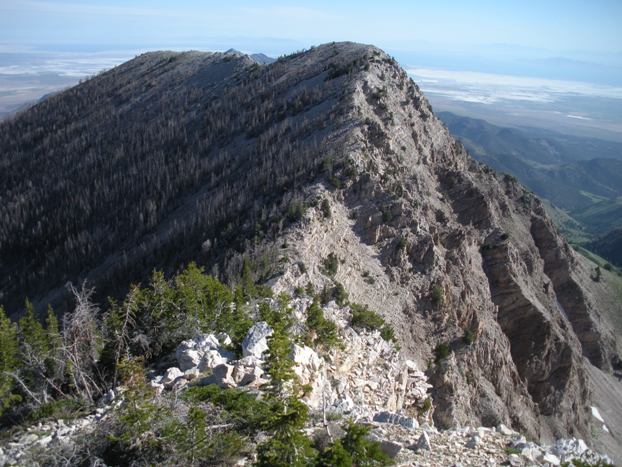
column 325, row 169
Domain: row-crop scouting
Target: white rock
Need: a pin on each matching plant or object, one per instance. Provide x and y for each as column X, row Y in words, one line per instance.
column 29, row 439
column 187, row 358
column 551, row 459
column 256, row 341
column 344, row 405
column 504, row 430
column 211, row 359
column 569, row 447
column 171, row 375
column 307, row 362
column 222, row 375
column 596, row 414
column 207, row 342
column 159, row 387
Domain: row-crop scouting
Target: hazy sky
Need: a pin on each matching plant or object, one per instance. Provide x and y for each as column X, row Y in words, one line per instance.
column 556, row 25
column 555, row 39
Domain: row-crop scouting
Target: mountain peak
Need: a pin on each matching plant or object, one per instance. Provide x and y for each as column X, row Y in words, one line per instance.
column 326, row 169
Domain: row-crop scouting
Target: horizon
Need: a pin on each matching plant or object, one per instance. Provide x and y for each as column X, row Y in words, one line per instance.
column 482, row 36
column 525, row 55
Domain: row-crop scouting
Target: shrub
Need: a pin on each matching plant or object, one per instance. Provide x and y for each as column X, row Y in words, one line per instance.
column 330, row 264
column 607, row 267
column 363, row 317
column 288, row 445
column 244, row 410
column 437, row 296
column 362, row 450
column 441, row 352
column 425, row 407
column 468, row 337
column 65, row 408
column 368, row 278
column 336, row 292
column 295, row 211
column 387, row 333
column 339, row 294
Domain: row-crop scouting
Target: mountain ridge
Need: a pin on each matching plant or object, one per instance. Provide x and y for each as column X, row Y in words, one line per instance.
column 329, row 151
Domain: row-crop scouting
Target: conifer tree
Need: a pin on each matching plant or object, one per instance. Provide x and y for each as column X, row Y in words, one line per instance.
column 8, row 360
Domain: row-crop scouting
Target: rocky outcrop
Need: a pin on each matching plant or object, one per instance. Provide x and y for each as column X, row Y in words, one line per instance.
column 255, row 343
column 365, row 377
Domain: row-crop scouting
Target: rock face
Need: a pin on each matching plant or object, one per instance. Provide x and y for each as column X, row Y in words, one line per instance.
column 334, row 151
column 444, row 248
column 256, row 341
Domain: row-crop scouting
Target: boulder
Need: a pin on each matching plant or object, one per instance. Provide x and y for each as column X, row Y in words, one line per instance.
column 205, row 342
column 344, row 405
column 504, row 430
column 222, row 375
column 211, row 359
column 191, row 374
column 171, row 375
column 307, row 363
column 396, row 419
column 423, row 443
column 390, row 448
column 246, row 371
column 256, row 341
column 187, row 357
column 550, row 459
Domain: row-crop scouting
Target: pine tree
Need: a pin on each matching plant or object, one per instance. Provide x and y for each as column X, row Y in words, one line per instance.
column 279, row 364
column 322, row 331
column 54, row 361
column 247, row 279
column 8, row 360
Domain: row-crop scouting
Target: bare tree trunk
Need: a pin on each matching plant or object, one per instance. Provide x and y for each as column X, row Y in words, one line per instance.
column 23, row 385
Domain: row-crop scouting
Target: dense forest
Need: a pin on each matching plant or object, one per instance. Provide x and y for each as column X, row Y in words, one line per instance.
column 205, row 147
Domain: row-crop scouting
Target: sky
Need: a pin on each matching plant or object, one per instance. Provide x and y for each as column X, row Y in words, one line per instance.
column 558, row 26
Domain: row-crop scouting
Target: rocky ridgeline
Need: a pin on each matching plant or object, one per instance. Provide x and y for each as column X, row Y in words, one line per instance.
column 367, row 380
column 479, row 446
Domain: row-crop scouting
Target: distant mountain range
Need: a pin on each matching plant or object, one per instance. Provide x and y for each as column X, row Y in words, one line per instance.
column 580, row 177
